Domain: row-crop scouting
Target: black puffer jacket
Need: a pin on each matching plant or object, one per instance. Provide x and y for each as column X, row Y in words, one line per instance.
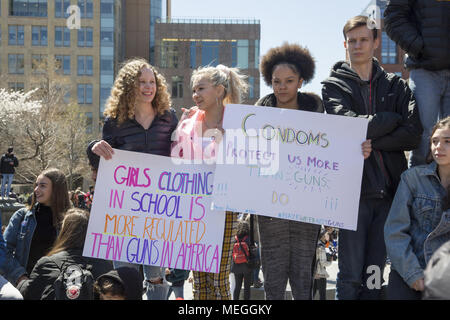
column 131, row 136
column 422, row 29
column 46, row 271
column 394, row 123
column 307, row 101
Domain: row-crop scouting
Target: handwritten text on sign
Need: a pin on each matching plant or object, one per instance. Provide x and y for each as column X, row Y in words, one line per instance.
column 290, row 164
column 146, row 210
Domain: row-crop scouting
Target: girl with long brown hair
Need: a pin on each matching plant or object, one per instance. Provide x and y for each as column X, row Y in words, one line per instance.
column 31, row 231
column 67, row 250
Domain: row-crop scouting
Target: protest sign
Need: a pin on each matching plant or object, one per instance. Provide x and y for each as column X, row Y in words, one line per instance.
column 290, row 164
column 147, row 210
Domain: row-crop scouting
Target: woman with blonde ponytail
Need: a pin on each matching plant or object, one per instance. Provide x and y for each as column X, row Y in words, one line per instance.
column 196, row 138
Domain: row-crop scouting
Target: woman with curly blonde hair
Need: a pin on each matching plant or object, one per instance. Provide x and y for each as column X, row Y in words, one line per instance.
column 139, row 118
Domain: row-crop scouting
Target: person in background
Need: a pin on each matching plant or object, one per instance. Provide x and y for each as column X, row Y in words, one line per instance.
column 7, row 290
column 7, row 164
column 32, row 230
column 419, row 220
column 242, row 272
column 196, row 138
column 360, row 87
column 123, row 283
column 139, row 118
column 321, row 274
column 67, row 250
column 421, row 29
column 176, row 278
column 437, row 275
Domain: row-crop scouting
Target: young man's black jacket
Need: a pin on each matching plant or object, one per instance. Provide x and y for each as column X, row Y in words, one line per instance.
column 422, row 29
column 394, row 124
column 5, row 166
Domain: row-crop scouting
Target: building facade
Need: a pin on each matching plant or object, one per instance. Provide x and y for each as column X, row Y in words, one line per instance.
column 182, row 45
column 76, row 47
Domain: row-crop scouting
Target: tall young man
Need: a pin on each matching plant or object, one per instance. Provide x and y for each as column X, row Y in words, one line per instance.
column 361, row 88
column 422, row 29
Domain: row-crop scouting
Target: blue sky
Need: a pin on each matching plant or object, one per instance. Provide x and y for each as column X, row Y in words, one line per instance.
column 316, row 24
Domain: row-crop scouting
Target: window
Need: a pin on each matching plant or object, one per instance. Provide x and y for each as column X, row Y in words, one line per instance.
column 107, row 37
column 84, row 93
column 256, row 54
column 39, row 35
column 39, row 63
column 107, row 65
column 61, row 8
column 210, row 53
column 16, row 86
column 388, row 50
column 104, row 95
column 107, row 9
column 62, row 37
column 85, row 65
column 16, row 35
column 28, row 8
column 85, row 37
column 193, row 53
column 86, row 8
column 15, row 63
column 177, row 87
column 169, row 54
column 62, row 64
column 242, row 54
column 251, row 89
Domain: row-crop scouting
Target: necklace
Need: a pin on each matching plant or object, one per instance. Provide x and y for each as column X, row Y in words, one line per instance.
column 216, row 132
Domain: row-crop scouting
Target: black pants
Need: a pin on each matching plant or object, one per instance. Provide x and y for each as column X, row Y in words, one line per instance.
column 247, row 277
column 321, row 286
column 398, row 289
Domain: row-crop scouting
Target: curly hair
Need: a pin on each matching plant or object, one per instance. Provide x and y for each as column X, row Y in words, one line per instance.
column 121, row 102
column 299, row 58
column 243, row 229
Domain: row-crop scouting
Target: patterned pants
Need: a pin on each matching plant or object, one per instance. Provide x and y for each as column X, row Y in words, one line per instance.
column 216, row 286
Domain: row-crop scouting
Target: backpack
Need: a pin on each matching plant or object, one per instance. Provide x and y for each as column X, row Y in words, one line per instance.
column 241, row 251
column 75, row 282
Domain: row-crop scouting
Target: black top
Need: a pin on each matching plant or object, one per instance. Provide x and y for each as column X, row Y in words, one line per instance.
column 422, row 29
column 8, row 162
column 43, row 237
column 131, row 136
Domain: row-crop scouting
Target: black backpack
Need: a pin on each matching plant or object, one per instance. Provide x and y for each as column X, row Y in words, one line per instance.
column 75, row 282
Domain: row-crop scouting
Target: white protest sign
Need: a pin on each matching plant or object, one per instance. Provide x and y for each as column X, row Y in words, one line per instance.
column 147, row 210
column 290, row 164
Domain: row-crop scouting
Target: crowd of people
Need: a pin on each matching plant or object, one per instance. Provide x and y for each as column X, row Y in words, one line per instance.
column 403, row 212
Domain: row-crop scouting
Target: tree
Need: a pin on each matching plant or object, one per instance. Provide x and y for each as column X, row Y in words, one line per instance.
column 45, row 130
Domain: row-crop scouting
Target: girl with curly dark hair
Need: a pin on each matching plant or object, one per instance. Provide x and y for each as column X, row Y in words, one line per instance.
column 288, row 247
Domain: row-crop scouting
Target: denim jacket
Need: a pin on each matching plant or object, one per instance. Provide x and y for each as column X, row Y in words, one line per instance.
column 2, row 247
column 18, row 236
column 416, row 225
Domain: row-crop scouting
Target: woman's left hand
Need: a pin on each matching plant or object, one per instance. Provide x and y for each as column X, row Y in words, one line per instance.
column 366, row 147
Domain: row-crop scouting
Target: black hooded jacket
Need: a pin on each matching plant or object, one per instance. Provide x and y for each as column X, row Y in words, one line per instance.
column 394, row 124
column 422, row 29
